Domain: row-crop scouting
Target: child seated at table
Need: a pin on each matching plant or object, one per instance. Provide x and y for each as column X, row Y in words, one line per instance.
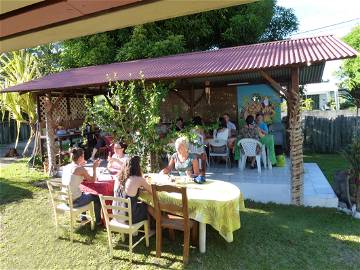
column 128, row 186
column 73, row 174
column 117, row 161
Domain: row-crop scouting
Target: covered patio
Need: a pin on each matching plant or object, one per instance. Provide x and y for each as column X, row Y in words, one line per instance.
column 281, row 66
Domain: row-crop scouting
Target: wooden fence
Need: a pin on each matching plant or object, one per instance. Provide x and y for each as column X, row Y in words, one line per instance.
column 325, row 135
column 8, row 132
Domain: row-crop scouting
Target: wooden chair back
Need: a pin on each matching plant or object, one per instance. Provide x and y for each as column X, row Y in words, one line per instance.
column 170, row 207
column 60, row 194
column 120, row 213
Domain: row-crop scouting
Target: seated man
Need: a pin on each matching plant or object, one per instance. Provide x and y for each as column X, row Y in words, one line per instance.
column 179, row 126
column 230, row 125
column 100, row 142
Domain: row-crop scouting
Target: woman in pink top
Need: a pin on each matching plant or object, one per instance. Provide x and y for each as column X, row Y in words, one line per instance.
column 117, row 161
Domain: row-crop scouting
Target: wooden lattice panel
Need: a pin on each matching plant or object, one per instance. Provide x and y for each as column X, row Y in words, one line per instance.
column 60, row 113
column 77, row 108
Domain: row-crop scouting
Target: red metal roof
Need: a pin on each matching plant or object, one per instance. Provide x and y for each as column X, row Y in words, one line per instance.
column 277, row 54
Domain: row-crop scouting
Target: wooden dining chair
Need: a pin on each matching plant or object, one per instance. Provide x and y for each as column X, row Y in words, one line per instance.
column 62, row 202
column 121, row 222
column 173, row 217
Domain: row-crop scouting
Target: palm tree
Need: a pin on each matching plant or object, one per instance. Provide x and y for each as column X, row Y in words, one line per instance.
column 352, row 96
column 18, row 67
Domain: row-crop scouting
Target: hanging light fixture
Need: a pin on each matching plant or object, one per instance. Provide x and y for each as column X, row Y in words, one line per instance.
column 207, row 91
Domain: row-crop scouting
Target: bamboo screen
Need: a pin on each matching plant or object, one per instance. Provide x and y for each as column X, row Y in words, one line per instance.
column 210, row 107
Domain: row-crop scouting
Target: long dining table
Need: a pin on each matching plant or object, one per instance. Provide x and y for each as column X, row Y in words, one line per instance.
column 216, row 203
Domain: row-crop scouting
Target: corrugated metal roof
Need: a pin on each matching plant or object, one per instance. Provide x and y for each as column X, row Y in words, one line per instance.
column 249, row 58
column 308, row 74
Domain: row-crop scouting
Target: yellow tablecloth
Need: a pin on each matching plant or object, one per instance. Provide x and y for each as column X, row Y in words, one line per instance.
column 216, row 203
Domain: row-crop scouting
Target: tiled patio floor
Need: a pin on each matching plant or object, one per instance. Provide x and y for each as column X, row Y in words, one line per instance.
column 274, row 185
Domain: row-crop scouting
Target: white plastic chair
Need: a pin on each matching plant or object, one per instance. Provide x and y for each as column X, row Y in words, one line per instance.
column 62, row 202
column 122, row 223
column 215, row 143
column 248, row 146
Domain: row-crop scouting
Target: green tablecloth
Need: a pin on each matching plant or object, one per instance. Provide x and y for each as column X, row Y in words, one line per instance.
column 216, row 203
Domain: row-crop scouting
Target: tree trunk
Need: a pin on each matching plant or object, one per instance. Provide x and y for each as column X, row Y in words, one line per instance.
column 154, row 162
column 357, row 195
column 50, row 137
column 32, row 135
column 36, row 149
column 296, row 140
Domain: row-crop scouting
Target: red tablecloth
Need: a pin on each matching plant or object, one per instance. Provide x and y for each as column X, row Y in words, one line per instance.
column 98, row 187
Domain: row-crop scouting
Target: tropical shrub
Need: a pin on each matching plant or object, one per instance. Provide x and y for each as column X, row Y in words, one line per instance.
column 352, row 154
column 131, row 112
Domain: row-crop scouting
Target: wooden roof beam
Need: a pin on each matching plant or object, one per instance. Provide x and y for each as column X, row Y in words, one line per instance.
column 277, row 87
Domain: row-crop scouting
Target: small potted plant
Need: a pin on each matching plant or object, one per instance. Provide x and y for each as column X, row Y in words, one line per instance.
column 352, row 154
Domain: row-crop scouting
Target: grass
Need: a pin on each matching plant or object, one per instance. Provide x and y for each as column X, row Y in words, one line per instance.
column 18, row 181
column 272, row 237
column 328, row 163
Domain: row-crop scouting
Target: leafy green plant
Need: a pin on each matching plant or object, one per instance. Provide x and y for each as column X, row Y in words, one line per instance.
column 307, row 104
column 18, row 67
column 331, row 104
column 352, row 154
column 131, row 112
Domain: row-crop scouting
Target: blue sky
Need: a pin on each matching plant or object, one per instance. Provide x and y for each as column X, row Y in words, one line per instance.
column 314, row 14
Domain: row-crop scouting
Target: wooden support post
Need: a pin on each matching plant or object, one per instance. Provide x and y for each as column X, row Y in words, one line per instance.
column 296, row 140
column 50, row 135
column 275, row 85
column 38, row 108
column 192, row 101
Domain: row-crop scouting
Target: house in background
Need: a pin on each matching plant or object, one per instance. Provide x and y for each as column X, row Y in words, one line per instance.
column 323, row 94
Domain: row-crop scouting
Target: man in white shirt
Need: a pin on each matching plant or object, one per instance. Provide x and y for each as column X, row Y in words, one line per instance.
column 229, row 124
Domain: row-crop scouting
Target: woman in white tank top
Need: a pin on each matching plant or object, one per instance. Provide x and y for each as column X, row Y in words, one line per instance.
column 74, row 174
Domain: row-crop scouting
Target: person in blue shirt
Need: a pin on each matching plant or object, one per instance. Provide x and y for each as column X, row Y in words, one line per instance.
column 263, row 131
column 263, row 128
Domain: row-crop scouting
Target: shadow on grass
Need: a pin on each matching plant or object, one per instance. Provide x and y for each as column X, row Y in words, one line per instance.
column 12, row 192
column 303, row 235
column 83, row 230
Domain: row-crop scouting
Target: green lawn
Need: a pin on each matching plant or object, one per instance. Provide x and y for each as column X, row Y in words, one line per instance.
column 272, row 237
column 328, row 163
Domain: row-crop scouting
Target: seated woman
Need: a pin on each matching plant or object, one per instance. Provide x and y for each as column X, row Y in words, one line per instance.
column 199, row 149
column 250, row 130
column 184, row 162
column 128, row 186
column 117, row 161
column 222, row 133
column 74, row 174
